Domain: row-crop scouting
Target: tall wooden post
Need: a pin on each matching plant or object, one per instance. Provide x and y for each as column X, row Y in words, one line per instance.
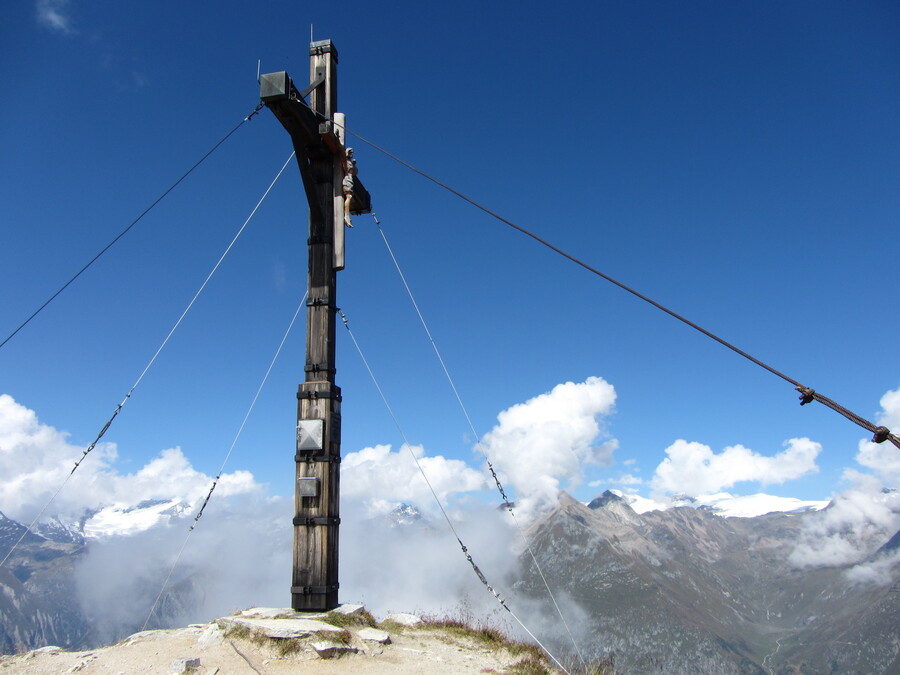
column 321, row 158
column 317, row 498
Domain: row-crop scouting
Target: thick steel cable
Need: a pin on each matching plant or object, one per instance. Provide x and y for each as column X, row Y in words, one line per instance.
column 119, row 407
column 807, row 395
column 130, row 225
column 437, row 499
column 225, row 461
column 506, row 502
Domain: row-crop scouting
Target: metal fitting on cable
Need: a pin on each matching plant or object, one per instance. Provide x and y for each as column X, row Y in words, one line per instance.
column 807, row 395
column 881, row 434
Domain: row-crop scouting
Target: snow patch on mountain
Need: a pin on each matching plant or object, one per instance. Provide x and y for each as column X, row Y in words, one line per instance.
column 725, row 504
column 124, row 520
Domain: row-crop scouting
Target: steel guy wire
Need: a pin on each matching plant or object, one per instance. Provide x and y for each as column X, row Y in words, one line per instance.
column 118, row 409
column 225, row 462
column 250, row 410
column 130, row 225
column 437, row 499
column 807, row 394
column 506, row 502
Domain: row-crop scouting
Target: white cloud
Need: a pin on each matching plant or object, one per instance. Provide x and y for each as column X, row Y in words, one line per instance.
column 890, row 410
column 624, row 479
column 549, row 439
column 35, row 459
column 884, row 458
column 857, row 522
column 863, row 517
column 381, row 478
column 694, row 469
column 241, row 554
column 53, row 14
column 879, row 571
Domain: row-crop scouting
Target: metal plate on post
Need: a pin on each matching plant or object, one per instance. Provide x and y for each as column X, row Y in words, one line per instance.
column 308, row 487
column 274, row 86
column 310, row 434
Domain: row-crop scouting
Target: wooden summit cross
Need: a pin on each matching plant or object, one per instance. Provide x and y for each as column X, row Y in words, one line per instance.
column 317, row 133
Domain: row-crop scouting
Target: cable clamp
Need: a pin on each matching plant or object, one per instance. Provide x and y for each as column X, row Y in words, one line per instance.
column 255, row 111
column 317, row 302
column 881, row 434
column 807, row 395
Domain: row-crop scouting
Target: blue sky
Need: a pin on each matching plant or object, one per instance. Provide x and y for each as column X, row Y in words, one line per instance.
column 737, row 162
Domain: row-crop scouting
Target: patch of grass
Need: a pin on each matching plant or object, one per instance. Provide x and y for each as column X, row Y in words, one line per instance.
column 360, row 618
column 281, row 646
column 529, row 666
column 285, row 646
column 237, row 631
column 394, row 627
column 344, row 637
column 598, row 666
column 533, row 661
column 487, row 636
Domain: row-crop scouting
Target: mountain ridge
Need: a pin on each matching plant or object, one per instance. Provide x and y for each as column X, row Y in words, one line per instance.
column 685, row 586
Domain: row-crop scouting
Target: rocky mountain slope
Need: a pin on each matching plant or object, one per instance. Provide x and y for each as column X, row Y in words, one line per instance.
column 37, row 603
column 687, row 591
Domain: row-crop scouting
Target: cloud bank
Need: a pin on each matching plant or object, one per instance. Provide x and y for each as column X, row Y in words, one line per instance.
column 35, row 460
column 857, row 522
column 884, row 458
column 380, row 478
column 550, row 439
column 694, row 469
column 240, row 554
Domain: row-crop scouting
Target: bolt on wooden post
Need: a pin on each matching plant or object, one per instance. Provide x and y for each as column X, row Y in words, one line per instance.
column 321, row 158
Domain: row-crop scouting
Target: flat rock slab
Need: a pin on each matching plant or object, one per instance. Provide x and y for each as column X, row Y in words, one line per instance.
column 211, row 637
column 404, row 619
column 270, row 613
column 348, row 609
column 330, row 650
column 185, row 664
column 374, row 635
column 283, row 628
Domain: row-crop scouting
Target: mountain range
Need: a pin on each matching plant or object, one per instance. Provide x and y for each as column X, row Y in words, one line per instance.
column 688, row 589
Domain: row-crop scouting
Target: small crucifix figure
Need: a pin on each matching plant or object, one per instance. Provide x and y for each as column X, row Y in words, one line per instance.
column 348, row 184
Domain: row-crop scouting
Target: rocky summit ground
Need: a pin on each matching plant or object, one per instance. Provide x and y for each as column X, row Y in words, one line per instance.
column 273, row 641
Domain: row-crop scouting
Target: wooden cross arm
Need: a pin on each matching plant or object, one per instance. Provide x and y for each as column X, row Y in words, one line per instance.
column 278, row 92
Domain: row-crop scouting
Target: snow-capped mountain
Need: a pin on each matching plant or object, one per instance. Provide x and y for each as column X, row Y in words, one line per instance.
column 405, row 515
column 724, row 504
column 123, row 520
